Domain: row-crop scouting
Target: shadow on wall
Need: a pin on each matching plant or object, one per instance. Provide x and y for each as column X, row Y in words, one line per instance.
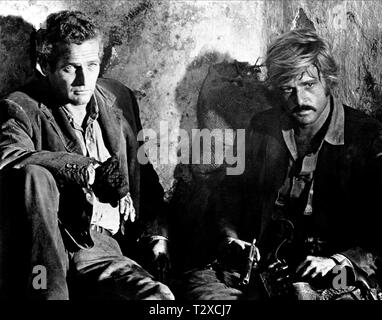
column 16, row 53
column 229, row 94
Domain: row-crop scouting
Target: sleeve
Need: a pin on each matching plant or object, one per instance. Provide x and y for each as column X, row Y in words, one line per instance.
column 228, row 207
column 231, row 194
column 153, row 209
column 366, row 258
column 18, row 148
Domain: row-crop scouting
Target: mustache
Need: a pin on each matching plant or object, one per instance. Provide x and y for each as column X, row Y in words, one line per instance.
column 303, row 107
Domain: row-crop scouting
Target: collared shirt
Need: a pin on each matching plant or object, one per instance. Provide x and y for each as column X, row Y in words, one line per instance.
column 86, row 127
column 297, row 191
column 300, row 170
column 334, row 134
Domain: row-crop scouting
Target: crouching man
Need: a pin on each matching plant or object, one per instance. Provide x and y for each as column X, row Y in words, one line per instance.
column 309, row 197
column 70, row 180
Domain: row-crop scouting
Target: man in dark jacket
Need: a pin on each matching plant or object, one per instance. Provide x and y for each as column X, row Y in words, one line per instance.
column 308, row 198
column 70, row 180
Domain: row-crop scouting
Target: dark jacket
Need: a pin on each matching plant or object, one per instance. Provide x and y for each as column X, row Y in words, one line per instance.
column 348, row 181
column 34, row 130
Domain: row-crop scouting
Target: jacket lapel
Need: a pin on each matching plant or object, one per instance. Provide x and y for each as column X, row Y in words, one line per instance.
column 56, row 116
column 65, row 131
column 109, row 120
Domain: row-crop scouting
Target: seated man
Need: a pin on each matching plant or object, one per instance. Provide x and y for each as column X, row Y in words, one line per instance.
column 70, row 180
column 306, row 203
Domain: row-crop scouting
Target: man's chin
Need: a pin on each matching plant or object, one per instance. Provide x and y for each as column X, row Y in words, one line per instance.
column 303, row 119
column 79, row 101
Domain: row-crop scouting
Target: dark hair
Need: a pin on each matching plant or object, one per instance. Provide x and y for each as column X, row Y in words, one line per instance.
column 293, row 52
column 64, row 27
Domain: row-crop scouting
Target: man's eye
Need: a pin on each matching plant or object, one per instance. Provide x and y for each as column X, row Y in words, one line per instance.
column 310, row 84
column 69, row 69
column 286, row 90
column 93, row 66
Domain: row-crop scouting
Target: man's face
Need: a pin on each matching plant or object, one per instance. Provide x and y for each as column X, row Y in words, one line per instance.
column 76, row 72
column 306, row 97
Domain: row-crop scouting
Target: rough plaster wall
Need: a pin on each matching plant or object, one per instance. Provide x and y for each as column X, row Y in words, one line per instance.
column 168, row 60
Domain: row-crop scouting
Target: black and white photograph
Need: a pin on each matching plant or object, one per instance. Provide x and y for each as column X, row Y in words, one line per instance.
column 195, row 151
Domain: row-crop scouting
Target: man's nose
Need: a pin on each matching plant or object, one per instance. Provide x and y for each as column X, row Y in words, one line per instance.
column 80, row 79
column 299, row 97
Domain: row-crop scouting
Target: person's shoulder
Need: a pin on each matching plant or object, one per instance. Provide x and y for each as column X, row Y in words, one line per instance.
column 359, row 120
column 114, row 86
column 26, row 96
column 265, row 120
column 123, row 98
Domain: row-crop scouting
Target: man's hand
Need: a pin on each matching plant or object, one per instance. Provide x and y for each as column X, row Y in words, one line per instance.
column 126, row 208
column 313, row 266
column 236, row 243
column 160, row 259
column 234, row 253
column 110, row 185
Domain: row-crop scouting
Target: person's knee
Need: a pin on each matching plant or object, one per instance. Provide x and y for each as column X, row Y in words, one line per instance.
column 155, row 290
column 165, row 292
column 38, row 189
column 39, row 177
column 34, row 171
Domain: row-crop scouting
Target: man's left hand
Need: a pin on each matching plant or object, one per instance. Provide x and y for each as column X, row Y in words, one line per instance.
column 126, row 208
column 313, row 266
column 160, row 259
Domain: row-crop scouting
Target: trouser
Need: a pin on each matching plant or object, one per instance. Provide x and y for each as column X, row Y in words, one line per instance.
column 34, row 262
column 212, row 283
column 215, row 282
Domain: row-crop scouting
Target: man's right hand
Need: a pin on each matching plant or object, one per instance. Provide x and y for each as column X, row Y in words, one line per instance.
column 234, row 252
column 236, row 243
column 110, row 185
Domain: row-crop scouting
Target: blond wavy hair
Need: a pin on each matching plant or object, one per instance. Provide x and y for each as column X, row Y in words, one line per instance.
column 293, row 52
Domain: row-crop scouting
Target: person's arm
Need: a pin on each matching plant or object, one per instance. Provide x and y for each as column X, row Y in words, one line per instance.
column 367, row 257
column 17, row 148
column 153, row 210
column 154, row 223
column 230, row 205
column 363, row 259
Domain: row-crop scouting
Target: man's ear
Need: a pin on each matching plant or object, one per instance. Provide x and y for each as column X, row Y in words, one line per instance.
column 43, row 68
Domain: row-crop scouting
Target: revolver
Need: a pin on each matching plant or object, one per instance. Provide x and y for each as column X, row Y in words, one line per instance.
column 251, row 264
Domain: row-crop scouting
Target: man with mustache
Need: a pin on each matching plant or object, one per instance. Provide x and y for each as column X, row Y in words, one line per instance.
column 309, row 195
column 73, row 193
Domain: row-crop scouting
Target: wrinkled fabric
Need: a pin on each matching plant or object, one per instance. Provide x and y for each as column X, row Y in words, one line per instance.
column 346, row 183
column 210, row 284
column 35, row 130
column 47, row 213
column 101, row 272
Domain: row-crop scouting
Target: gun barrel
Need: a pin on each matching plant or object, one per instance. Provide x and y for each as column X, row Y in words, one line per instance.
column 250, row 263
